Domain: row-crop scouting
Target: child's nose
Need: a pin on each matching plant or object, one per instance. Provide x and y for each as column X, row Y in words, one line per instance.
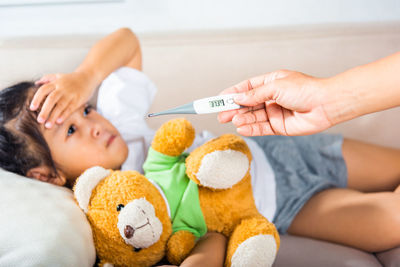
column 96, row 133
column 96, row 130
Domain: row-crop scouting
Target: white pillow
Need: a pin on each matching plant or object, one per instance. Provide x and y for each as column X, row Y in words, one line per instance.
column 41, row 225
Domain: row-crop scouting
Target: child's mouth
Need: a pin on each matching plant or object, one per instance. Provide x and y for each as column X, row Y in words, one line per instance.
column 111, row 139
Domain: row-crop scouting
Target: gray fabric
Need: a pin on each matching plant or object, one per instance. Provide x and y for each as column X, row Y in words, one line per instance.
column 390, row 258
column 305, row 252
column 303, row 166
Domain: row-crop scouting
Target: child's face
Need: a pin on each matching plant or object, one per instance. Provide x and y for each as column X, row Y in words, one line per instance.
column 84, row 140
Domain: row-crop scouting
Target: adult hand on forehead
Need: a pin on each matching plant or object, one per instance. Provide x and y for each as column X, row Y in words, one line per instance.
column 59, row 95
column 279, row 103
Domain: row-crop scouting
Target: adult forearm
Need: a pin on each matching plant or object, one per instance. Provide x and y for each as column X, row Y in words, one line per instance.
column 364, row 89
column 108, row 54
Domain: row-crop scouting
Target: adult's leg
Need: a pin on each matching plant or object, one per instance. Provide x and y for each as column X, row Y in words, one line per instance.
column 371, row 168
column 368, row 221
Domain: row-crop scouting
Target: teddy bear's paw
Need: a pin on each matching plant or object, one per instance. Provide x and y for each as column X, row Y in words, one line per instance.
column 220, row 163
column 222, row 169
column 173, row 137
column 179, row 246
column 259, row 250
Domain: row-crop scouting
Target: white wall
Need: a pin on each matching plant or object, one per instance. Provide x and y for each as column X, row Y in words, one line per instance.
column 145, row 16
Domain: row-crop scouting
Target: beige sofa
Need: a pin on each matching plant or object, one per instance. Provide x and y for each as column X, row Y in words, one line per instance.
column 190, row 65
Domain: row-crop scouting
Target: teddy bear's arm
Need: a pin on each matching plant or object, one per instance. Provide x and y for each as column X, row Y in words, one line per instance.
column 179, row 246
column 220, row 163
column 173, row 137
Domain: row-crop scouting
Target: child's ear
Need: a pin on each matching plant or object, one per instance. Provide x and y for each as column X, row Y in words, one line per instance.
column 44, row 174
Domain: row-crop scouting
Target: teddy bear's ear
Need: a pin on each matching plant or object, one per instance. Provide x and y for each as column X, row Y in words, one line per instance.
column 86, row 183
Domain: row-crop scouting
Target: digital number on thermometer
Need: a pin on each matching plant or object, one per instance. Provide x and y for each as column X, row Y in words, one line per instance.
column 217, row 103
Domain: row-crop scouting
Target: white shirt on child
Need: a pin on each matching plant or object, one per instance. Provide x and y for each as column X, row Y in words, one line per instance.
column 124, row 99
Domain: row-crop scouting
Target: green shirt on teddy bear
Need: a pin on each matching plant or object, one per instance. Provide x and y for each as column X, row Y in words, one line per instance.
column 182, row 193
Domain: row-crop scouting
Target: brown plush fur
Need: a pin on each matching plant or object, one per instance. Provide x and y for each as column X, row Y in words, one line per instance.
column 231, row 212
column 238, row 200
column 174, row 137
column 120, row 188
column 179, row 246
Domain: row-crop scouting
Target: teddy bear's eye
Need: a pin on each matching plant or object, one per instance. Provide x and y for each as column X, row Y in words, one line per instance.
column 120, row 207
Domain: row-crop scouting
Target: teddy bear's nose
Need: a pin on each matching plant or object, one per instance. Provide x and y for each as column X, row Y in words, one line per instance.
column 128, row 231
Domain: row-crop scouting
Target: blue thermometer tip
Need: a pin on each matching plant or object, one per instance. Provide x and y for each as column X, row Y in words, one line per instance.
column 185, row 109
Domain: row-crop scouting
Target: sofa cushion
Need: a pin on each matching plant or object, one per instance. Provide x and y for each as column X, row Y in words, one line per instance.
column 390, row 258
column 306, row 252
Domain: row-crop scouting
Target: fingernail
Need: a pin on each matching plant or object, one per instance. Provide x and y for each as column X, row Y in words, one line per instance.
column 59, row 120
column 240, row 130
column 244, row 130
column 48, row 124
column 32, row 107
column 237, row 120
column 220, row 118
column 40, row 120
column 239, row 97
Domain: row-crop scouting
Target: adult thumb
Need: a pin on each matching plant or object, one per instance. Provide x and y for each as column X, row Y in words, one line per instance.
column 255, row 96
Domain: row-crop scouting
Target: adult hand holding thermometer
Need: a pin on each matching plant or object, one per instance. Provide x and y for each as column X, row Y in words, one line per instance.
column 203, row 106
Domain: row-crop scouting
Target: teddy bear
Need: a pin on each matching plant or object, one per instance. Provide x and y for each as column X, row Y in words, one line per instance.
column 138, row 219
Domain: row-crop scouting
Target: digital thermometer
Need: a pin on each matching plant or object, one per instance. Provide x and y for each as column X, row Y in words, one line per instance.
column 203, row 106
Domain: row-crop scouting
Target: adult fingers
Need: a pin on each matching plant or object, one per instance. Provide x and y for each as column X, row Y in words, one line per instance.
column 256, row 129
column 257, row 95
column 46, row 79
column 40, row 95
column 277, row 118
column 48, row 106
column 58, row 109
column 251, row 83
column 246, row 87
column 275, row 123
column 238, row 88
column 65, row 114
column 226, row 116
column 251, row 117
column 261, row 88
column 41, row 82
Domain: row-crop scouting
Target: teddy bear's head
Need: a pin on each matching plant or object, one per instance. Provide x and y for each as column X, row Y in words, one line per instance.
column 128, row 214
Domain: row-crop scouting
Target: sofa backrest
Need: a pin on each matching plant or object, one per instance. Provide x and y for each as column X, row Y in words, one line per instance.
column 191, row 65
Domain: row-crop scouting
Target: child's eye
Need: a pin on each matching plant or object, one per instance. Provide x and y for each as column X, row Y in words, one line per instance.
column 71, row 130
column 87, row 110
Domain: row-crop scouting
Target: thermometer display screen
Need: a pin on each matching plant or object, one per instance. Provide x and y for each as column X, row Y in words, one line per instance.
column 216, row 103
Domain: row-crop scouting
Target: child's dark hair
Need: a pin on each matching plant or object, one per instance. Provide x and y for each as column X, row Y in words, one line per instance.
column 22, row 145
